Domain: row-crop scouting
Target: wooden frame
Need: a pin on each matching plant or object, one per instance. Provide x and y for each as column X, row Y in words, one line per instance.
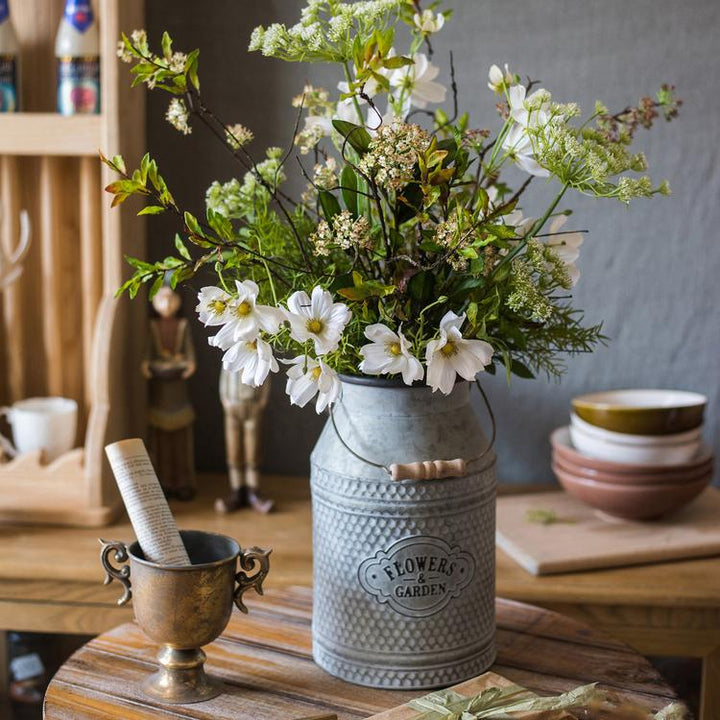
column 62, row 332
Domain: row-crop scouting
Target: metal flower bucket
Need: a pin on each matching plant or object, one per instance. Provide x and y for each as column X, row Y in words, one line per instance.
column 404, row 569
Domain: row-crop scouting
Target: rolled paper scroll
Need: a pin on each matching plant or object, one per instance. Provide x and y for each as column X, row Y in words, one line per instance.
column 428, row 470
column 145, row 503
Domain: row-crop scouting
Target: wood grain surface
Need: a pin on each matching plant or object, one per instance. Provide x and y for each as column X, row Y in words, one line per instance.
column 582, row 539
column 266, row 663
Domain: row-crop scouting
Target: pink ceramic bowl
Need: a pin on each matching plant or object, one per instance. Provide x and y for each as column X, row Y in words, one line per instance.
column 631, row 502
column 563, row 448
column 672, row 477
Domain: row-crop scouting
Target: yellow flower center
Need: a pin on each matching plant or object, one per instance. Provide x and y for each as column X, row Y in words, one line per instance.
column 252, row 344
column 394, row 349
column 316, row 372
column 315, row 326
column 449, row 349
column 217, row 306
column 243, row 309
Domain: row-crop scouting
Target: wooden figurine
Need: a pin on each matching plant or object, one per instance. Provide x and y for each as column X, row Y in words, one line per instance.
column 244, row 407
column 169, row 362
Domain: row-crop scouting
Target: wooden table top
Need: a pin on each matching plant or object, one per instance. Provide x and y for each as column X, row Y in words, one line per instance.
column 265, row 660
column 48, row 554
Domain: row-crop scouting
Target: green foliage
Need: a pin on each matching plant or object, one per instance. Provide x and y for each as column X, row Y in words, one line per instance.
column 402, row 222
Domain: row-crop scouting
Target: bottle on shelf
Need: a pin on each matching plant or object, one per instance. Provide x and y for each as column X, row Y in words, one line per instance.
column 9, row 52
column 77, row 49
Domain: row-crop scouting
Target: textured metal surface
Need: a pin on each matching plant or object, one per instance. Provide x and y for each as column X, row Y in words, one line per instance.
column 403, row 570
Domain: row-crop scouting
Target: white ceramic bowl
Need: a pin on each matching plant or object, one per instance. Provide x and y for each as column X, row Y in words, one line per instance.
column 627, row 439
column 603, row 449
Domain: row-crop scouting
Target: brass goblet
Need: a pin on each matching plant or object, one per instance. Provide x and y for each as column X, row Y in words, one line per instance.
column 185, row 607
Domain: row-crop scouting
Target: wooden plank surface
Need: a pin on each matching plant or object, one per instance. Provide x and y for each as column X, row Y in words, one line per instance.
column 581, row 539
column 265, row 660
column 49, row 134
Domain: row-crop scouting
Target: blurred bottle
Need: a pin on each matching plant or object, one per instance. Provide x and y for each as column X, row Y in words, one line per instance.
column 27, row 670
column 77, row 49
column 9, row 52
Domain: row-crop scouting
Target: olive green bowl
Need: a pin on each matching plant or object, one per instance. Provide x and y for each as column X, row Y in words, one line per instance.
column 642, row 412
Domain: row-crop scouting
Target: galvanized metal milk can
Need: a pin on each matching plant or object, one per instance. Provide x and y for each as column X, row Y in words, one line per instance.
column 404, row 570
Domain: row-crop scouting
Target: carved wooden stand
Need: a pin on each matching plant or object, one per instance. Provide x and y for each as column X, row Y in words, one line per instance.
column 61, row 330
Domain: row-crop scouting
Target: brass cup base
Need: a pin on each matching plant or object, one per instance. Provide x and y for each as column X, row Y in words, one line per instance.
column 181, row 679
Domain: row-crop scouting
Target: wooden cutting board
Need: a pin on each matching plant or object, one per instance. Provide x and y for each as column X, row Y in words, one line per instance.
column 583, row 539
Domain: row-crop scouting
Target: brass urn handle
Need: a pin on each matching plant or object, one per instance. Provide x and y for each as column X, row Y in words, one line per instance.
column 255, row 564
column 121, row 574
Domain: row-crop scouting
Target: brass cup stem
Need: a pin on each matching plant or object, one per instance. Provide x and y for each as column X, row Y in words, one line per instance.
column 181, row 678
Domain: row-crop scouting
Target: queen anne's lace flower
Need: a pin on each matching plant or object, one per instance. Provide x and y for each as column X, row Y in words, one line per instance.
column 393, row 153
column 178, row 116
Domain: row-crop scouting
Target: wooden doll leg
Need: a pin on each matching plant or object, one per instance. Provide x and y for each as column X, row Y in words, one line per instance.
column 234, row 450
column 253, row 451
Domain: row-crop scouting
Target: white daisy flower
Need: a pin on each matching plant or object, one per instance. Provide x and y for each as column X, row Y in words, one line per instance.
column 213, row 306
column 428, row 22
column 253, row 358
column 418, row 83
column 245, row 318
column 451, row 355
column 529, row 110
column 566, row 246
column 308, row 377
column 519, row 147
column 388, row 354
column 318, row 319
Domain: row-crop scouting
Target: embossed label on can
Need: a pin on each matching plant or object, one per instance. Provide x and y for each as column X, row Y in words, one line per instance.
column 417, row 576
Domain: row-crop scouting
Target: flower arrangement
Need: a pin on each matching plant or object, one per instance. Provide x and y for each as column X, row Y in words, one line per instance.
column 408, row 254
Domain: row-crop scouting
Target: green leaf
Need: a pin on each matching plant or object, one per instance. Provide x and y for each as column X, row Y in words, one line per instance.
column 357, row 136
column 166, row 44
column 330, row 205
column 503, row 232
column 363, row 289
column 348, row 183
column 421, row 286
column 521, row 370
column 152, row 210
column 193, row 225
column 159, row 282
column 180, row 246
column 398, row 61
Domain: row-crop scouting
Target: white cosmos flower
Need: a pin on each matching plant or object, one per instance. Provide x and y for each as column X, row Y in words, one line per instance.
column 308, row 377
column 253, row 358
column 497, row 80
column 417, row 82
column 428, row 22
column 519, row 146
column 529, row 110
column 451, row 354
column 566, row 246
column 244, row 318
column 213, row 306
column 388, row 354
column 318, row 319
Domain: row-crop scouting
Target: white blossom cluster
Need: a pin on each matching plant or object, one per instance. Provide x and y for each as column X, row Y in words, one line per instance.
column 346, row 232
column 245, row 326
column 393, row 154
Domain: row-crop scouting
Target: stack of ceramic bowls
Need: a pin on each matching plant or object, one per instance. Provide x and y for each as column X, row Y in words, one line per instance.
column 635, row 454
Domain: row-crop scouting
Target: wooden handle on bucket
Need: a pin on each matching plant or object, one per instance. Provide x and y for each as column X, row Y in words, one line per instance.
column 428, row 470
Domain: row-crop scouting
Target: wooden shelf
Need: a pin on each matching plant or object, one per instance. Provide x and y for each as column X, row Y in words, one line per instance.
column 50, row 134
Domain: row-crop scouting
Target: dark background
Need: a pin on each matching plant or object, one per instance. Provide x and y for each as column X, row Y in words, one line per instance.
column 651, row 271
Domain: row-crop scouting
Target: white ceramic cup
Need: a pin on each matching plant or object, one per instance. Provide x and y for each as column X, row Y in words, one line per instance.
column 44, row 423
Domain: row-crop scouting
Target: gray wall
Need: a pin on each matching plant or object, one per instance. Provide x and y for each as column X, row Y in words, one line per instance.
column 650, row 272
